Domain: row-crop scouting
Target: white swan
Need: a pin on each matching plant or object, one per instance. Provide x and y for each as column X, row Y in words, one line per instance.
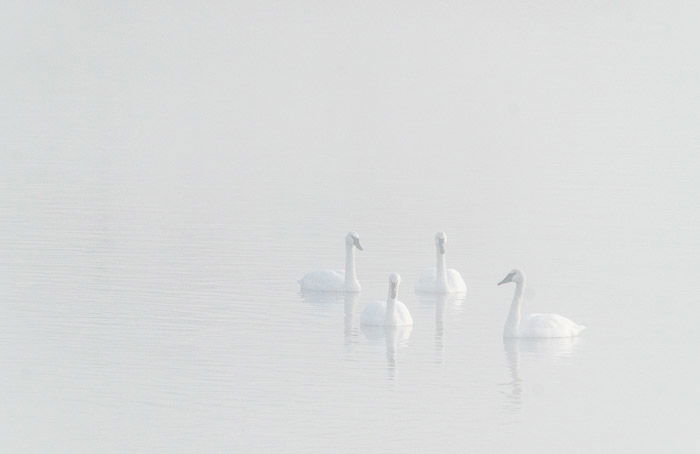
column 534, row 325
column 332, row 280
column 390, row 312
column 441, row 279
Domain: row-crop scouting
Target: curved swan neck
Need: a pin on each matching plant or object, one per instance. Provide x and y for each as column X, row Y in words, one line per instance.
column 512, row 326
column 441, row 278
column 351, row 282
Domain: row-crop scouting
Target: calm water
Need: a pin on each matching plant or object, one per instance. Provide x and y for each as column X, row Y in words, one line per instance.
column 168, row 174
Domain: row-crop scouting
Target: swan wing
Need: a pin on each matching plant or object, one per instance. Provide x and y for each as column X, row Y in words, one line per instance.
column 374, row 314
column 403, row 315
column 455, row 281
column 548, row 325
column 427, row 281
column 323, row 281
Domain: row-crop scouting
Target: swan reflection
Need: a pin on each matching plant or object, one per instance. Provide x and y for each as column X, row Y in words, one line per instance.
column 328, row 301
column 514, row 396
column 440, row 304
column 533, row 350
column 349, row 301
column 395, row 337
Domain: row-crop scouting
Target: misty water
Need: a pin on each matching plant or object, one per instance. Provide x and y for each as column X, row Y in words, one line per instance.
column 167, row 174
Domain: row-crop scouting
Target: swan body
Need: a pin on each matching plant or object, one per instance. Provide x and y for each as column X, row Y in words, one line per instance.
column 390, row 312
column 375, row 315
column 534, row 325
column 441, row 279
column 428, row 278
column 548, row 325
column 336, row 280
column 324, row 281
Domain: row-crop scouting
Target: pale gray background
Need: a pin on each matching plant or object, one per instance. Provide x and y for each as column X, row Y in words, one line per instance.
column 169, row 170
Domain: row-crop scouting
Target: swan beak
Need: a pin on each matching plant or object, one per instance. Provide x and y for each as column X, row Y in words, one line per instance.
column 441, row 245
column 506, row 279
column 356, row 242
column 394, row 290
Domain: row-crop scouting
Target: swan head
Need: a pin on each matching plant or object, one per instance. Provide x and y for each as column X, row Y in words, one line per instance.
column 394, row 281
column 515, row 275
column 440, row 241
column 353, row 239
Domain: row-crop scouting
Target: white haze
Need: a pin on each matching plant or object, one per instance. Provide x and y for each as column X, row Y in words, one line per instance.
column 168, row 171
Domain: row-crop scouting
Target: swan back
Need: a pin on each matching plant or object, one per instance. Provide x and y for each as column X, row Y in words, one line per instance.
column 427, row 282
column 548, row 325
column 323, row 281
column 374, row 314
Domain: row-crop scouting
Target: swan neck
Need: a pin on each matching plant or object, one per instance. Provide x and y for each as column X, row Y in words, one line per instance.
column 390, row 318
column 441, row 278
column 350, row 272
column 512, row 326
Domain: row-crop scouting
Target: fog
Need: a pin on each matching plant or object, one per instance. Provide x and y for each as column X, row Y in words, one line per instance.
column 168, row 172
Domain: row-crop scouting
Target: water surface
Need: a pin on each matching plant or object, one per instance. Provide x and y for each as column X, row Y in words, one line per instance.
column 167, row 174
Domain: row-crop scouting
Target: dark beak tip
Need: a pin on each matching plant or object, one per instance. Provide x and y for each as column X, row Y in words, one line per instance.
column 356, row 242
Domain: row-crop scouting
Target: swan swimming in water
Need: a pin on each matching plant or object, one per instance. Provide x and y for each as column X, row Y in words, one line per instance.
column 441, row 279
column 391, row 312
column 336, row 280
column 534, row 325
